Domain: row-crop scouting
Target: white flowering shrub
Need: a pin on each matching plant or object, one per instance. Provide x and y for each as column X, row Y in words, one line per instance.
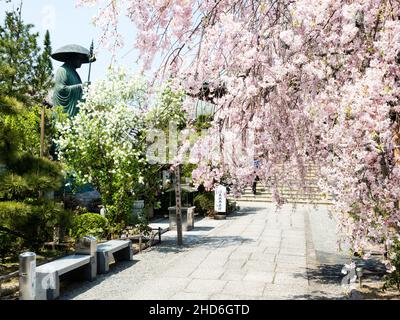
column 103, row 145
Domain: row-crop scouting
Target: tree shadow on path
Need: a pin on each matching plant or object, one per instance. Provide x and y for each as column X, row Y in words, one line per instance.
column 201, row 241
column 326, row 279
column 244, row 211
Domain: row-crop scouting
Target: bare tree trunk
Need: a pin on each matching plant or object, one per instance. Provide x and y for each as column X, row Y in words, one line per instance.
column 178, row 204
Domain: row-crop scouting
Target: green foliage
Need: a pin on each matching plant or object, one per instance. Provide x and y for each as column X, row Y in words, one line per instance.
column 150, row 188
column 187, row 169
column 8, row 244
column 31, row 222
column 10, row 144
column 27, row 177
column 204, row 203
column 43, row 70
column 25, row 79
column 89, row 224
column 98, row 148
column 64, row 222
column 119, row 208
column 9, row 105
column 231, row 206
column 27, row 219
column 115, row 229
column 393, row 278
column 28, row 70
column 142, row 229
column 26, row 125
column 203, row 122
column 168, row 110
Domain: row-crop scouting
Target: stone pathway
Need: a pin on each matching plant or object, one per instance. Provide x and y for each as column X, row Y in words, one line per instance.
column 257, row 253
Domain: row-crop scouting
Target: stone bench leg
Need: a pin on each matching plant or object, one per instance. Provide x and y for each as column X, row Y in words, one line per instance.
column 90, row 271
column 125, row 254
column 103, row 262
column 104, row 258
column 47, row 286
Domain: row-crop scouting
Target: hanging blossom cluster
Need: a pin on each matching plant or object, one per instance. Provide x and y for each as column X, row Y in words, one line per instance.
column 303, row 81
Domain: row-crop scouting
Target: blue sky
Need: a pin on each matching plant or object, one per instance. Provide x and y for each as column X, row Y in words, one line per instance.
column 68, row 24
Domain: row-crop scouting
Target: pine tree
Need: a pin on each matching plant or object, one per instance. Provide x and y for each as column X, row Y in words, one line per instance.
column 43, row 79
column 30, row 70
column 26, row 217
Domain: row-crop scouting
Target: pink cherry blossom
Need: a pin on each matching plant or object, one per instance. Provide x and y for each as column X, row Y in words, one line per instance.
column 314, row 81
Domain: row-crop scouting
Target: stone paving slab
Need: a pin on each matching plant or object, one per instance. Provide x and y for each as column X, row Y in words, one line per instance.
column 274, row 250
column 182, row 272
column 164, row 288
column 257, row 253
column 253, row 265
column 293, row 252
column 284, row 291
column 244, row 288
column 240, row 254
column 206, row 286
column 207, row 273
column 190, row 296
column 267, row 257
column 296, row 279
column 235, row 264
column 234, row 275
column 261, row 276
column 290, row 259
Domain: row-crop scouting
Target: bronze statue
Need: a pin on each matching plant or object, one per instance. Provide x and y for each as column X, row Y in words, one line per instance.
column 68, row 87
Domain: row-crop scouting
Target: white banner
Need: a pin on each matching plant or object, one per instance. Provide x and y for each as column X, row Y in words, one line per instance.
column 220, row 199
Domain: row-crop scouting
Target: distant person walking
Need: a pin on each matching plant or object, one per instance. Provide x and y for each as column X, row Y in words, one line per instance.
column 254, row 186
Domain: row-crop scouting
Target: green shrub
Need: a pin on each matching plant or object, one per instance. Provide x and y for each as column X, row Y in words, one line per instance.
column 204, row 203
column 89, row 224
column 65, row 221
column 9, row 245
column 231, row 206
column 31, row 223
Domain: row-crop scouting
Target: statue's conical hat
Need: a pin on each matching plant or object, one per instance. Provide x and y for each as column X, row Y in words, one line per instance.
column 71, row 51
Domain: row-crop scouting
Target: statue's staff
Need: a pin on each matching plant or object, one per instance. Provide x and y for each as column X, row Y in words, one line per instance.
column 91, row 56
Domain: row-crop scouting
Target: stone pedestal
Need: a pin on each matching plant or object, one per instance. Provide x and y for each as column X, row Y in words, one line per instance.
column 187, row 218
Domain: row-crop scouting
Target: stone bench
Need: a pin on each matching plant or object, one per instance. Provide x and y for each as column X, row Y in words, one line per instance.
column 117, row 250
column 48, row 275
